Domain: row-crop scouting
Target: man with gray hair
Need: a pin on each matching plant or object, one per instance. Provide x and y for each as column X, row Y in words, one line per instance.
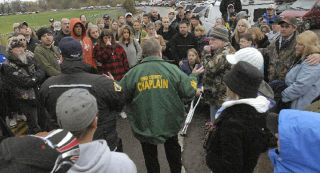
column 64, row 32
column 216, row 66
column 155, row 109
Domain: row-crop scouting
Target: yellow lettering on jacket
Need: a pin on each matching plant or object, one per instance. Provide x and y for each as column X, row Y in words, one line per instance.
column 152, row 82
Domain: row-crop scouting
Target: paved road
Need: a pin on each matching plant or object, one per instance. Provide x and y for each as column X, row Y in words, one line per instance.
column 193, row 155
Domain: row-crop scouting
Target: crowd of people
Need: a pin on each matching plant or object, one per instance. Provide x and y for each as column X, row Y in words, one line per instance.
column 79, row 75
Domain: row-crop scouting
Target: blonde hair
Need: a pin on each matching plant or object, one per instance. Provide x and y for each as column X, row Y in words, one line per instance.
column 125, row 27
column 200, row 28
column 193, row 50
column 99, row 20
column 236, row 33
column 310, row 41
column 231, row 94
column 256, row 31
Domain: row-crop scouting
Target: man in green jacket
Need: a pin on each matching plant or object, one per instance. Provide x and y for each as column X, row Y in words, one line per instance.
column 46, row 54
column 155, row 109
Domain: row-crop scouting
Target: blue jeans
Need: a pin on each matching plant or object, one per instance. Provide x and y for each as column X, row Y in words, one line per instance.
column 213, row 111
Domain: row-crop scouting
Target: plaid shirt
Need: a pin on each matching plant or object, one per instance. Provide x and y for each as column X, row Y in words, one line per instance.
column 113, row 59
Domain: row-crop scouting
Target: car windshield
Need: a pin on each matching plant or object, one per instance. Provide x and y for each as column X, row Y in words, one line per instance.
column 198, row 9
column 303, row 5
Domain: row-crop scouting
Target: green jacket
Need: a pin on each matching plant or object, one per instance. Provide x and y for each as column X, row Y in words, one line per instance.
column 155, row 88
column 48, row 58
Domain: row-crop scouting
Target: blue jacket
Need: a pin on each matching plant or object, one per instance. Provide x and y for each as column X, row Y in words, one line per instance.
column 186, row 69
column 269, row 19
column 303, row 83
column 299, row 142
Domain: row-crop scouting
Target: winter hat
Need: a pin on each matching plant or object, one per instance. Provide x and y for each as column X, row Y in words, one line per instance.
column 242, row 15
column 128, row 15
column 70, row 49
column 13, row 42
column 43, row 31
column 249, row 55
column 76, row 109
column 220, row 32
column 55, row 152
column 244, row 79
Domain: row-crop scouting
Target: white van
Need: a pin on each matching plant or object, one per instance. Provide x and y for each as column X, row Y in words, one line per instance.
column 213, row 12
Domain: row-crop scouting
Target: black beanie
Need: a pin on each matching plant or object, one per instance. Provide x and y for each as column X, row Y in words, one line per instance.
column 244, row 79
column 43, row 31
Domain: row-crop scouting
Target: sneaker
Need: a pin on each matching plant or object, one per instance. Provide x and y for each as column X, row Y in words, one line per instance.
column 13, row 122
column 123, row 115
column 21, row 117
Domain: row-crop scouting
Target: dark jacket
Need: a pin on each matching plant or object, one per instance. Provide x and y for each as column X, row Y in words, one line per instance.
column 175, row 23
column 167, row 35
column 263, row 43
column 32, row 44
column 59, row 37
column 202, row 41
column 234, row 43
column 22, row 79
column 109, row 96
column 224, row 7
column 179, row 45
column 153, row 19
column 237, row 140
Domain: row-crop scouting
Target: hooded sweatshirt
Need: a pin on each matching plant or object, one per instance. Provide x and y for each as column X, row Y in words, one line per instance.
column 85, row 41
column 96, row 157
column 299, row 139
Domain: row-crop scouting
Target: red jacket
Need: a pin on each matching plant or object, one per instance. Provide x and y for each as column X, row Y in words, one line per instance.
column 85, row 41
column 113, row 59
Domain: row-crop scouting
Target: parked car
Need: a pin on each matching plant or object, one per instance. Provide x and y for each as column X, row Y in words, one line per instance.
column 308, row 11
column 143, row 3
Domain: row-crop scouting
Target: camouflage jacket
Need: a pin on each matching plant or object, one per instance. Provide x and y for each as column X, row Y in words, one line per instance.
column 216, row 66
column 280, row 60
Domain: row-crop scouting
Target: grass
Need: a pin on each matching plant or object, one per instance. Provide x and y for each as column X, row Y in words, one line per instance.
column 42, row 18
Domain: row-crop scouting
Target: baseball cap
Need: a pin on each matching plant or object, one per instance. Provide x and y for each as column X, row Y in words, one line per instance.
column 230, row 6
column 128, row 14
column 55, row 152
column 249, row 55
column 271, row 7
column 195, row 17
column 76, row 109
column 51, row 20
column 179, row 6
column 291, row 20
column 23, row 23
column 106, row 16
column 171, row 10
column 70, row 49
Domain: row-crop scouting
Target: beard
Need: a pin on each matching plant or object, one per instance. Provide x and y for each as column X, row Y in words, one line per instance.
column 23, row 58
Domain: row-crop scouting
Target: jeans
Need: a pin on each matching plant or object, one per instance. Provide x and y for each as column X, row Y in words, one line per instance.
column 213, row 111
column 30, row 110
column 173, row 154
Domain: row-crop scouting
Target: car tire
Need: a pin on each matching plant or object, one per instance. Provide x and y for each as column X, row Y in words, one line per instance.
column 307, row 25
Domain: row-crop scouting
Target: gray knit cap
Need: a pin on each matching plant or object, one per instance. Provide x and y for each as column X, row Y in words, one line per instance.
column 76, row 109
column 220, row 32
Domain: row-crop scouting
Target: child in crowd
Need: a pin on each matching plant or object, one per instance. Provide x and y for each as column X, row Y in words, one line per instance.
column 189, row 64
